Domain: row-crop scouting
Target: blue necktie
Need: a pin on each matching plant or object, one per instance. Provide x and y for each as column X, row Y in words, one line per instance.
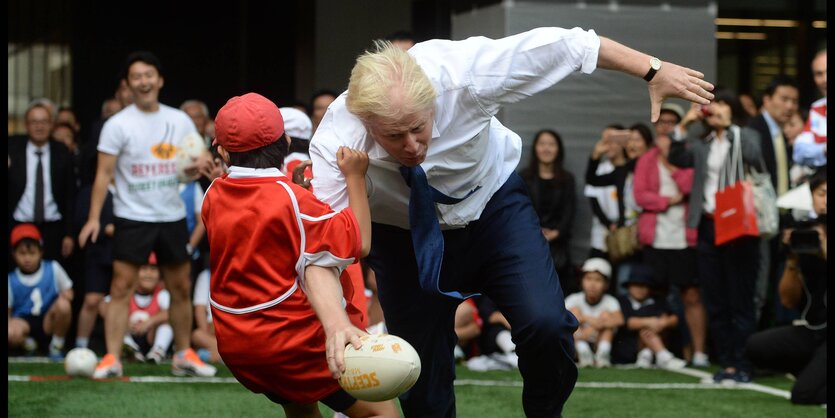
column 427, row 239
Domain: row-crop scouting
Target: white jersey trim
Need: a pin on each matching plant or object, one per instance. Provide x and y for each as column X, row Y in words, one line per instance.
column 255, row 308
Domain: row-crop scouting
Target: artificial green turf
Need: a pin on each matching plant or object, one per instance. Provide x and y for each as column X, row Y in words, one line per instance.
column 86, row 398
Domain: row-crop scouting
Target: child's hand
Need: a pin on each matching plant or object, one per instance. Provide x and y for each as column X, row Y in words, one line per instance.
column 352, row 162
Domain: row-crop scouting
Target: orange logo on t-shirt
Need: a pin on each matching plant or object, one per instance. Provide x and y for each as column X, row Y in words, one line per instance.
column 164, row 151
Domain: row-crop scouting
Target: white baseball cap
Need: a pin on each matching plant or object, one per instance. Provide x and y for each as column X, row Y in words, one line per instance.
column 296, row 123
column 599, row 265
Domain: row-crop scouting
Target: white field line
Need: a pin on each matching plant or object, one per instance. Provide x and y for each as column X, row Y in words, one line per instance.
column 459, row 382
column 700, row 374
column 751, row 386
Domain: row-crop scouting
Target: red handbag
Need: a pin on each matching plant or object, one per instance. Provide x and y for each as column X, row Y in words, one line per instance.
column 735, row 215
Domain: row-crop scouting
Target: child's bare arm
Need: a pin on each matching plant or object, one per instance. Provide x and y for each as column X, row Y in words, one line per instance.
column 669, row 321
column 324, row 292
column 638, row 323
column 611, row 319
column 354, row 165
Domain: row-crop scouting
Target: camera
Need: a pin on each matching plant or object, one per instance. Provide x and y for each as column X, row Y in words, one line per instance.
column 805, row 239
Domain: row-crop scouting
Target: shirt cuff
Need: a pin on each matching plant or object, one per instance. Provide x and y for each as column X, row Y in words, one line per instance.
column 591, row 51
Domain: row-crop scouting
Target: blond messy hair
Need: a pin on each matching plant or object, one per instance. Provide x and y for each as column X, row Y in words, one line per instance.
column 388, row 83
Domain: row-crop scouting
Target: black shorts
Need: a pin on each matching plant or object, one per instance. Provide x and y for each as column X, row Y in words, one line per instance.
column 673, row 267
column 133, row 241
column 97, row 278
column 338, row 401
column 36, row 330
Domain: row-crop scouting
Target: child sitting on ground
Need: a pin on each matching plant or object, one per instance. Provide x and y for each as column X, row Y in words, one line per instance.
column 597, row 312
column 40, row 295
column 647, row 319
column 203, row 337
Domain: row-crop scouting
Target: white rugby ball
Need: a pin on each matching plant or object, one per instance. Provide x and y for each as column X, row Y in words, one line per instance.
column 384, row 368
column 191, row 146
column 138, row 316
column 80, row 362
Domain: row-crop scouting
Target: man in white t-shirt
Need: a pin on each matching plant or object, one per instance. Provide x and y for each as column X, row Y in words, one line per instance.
column 137, row 150
column 598, row 313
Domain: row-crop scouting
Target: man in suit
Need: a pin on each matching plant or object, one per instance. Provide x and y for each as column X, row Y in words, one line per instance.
column 779, row 105
column 46, row 199
column 780, row 101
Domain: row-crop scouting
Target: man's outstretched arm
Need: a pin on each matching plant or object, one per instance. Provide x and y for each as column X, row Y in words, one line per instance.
column 671, row 80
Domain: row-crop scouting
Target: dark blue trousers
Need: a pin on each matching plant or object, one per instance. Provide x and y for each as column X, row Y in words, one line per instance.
column 504, row 256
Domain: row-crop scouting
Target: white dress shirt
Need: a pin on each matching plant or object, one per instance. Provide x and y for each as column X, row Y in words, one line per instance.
column 717, row 153
column 469, row 148
column 25, row 211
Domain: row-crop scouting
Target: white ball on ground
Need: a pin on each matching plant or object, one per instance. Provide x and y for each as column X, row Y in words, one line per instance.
column 80, row 362
column 191, row 146
column 384, row 368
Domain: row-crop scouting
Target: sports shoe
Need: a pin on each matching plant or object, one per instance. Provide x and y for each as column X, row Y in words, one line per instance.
column 511, row 359
column 187, row 363
column 723, row 376
column 485, row 363
column 700, row 360
column 601, row 361
column 644, row 359
column 155, row 355
column 672, row 363
column 741, row 377
column 130, row 349
column 586, row 358
column 204, row 355
column 109, row 366
column 55, row 353
column 30, row 347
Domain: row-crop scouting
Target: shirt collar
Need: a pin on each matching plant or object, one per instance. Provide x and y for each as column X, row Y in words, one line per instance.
column 638, row 304
column 236, row 172
column 773, row 127
column 31, row 147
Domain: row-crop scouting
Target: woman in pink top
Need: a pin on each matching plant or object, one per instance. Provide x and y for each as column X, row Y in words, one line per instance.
column 661, row 190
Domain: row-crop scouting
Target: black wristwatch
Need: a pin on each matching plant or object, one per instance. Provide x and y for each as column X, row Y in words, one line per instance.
column 654, row 66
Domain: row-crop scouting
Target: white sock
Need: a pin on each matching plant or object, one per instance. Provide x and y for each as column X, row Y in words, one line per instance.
column 645, row 353
column 57, row 342
column 582, row 346
column 505, row 342
column 604, row 348
column 663, row 356
column 163, row 338
column 82, row 342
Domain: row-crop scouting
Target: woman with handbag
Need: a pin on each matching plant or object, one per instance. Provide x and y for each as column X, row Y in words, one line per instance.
column 552, row 192
column 728, row 271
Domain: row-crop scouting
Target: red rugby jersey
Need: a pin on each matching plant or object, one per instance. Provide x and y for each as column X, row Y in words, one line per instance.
column 263, row 230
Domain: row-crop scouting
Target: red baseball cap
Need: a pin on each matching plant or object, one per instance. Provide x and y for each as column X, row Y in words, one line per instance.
column 25, row 231
column 248, row 122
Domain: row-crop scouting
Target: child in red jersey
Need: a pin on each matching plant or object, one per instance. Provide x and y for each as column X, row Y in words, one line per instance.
column 282, row 314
